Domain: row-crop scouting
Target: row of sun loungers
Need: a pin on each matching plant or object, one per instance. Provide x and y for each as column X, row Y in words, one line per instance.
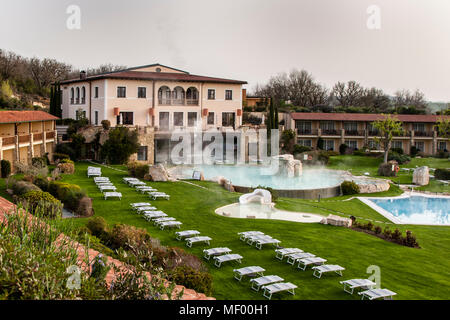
column 103, row 183
column 258, row 239
column 142, row 187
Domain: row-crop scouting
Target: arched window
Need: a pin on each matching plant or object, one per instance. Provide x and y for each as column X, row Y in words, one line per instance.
column 192, row 96
column 78, row 95
column 164, row 95
column 83, row 95
column 72, row 95
column 178, row 96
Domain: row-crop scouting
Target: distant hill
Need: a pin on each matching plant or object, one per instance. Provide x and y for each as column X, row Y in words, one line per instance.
column 438, row 106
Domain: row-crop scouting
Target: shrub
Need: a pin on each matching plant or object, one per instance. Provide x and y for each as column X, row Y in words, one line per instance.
column 60, row 156
column 67, row 161
column 97, row 226
column 443, row 154
column 442, row 174
column 66, row 168
column 387, row 233
column 400, row 158
column 31, row 171
column 5, row 168
column 138, row 170
column 69, row 194
column 106, row 124
column 300, row 149
column 19, row 188
column 369, row 226
column 359, row 153
column 332, row 153
column 378, row 230
column 43, row 202
column 320, row 143
column 413, row 151
column 121, row 144
column 39, row 162
column 410, row 240
column 397, row 150
column 396, row 235
column 192, row 279
column 343, row 148
column 42, row 183
column 124, row 236
column 349, row 187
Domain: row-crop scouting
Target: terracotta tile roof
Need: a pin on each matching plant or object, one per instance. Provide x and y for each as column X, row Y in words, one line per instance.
column 25, row 116
column 362, row 117
column 162, row 76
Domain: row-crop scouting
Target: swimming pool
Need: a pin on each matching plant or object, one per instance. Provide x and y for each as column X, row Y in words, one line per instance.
column 253, row 176
column 413, row 209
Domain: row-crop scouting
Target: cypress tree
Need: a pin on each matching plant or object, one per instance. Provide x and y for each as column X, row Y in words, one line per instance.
column 276, row 118
column 52, row 101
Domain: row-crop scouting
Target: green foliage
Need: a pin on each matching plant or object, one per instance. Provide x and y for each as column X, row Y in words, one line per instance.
column 66, row 160
column 287, row 138
column 99, row 268
column 442, row 174
column 97, row 226
column 106, row 124
column 69, row 194
column 136, row 169
column 349, row 187
column 60, row 156
column 122, row 143
column 385, row 170
column 300, row 149
column 400, row 158
column 42, row 183
column 125, row 236
column 5, row 89
column 414, row 151
column 39, row 162
column 192, row 279
column 42, row 202
column 443, row 127
column 397, row 150
column 388, row 127
column 320, row 143
column 343, row 148
column 78, row 145
column 19, row 188
column 5, row 168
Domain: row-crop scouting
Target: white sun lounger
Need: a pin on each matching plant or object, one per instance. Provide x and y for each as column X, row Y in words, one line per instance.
column 154, row 215
column 303, row 263
column 248, row 271
column 208, row 253
column 294, row 257
column 158, row 221
column 351, row 285
column 157, row 195
column 227, row 257
column 253, row 239
column 128, row 179
column 170, row 224
column 104, row 183
column 112, row 195
column 180, row 235
column 259, row 243
column 101, row 179
column 141, row 210
column 319, row 270
column 191, row 241
column 136, row 183
column 257, row 283
column 244, row 235
column 107, row 188
column 140, row 204
column 373, row 294
column 281, row 253
column 94, row 172
column 144, row 189
column 278, row 287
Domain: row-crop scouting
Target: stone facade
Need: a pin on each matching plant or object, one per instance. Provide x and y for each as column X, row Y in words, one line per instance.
column 421, row 176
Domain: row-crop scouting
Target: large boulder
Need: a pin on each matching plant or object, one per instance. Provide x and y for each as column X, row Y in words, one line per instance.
column 158, row 173
column 388, row 169
column 421, row 176
column 337, row 221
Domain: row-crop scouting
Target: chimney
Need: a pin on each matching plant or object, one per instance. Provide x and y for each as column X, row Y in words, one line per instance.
column 82, row 75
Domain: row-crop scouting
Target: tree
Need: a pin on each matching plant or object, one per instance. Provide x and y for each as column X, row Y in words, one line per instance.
column 288, row 140
column 47, row 71
column 348, row 94
column 121, row 144
column 443, row 127
column 410, row 103
column 387, row 128
column 9, row 62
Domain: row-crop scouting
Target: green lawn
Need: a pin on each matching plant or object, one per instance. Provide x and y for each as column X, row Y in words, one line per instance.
column 412, row 273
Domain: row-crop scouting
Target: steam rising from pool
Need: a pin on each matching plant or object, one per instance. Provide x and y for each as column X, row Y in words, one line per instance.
column 251, row 176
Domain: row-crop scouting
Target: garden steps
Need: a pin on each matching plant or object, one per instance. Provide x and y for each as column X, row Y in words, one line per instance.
column 188, row 294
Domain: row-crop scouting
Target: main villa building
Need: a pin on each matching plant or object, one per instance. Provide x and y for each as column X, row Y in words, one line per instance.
column 156, row 99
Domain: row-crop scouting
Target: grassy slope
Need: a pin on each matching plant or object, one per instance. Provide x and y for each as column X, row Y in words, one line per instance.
column 412, row 273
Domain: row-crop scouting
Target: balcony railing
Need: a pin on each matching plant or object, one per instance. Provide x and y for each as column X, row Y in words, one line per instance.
column 374, row 133
column 330, row 132
column 38, row 136
column 7, row 141
column 178, row 102
column 72, row 100
column 25, row 138
column 354, row 133
column 50, row 135
column 423, row 133
column 83, row 100
column 78, row 101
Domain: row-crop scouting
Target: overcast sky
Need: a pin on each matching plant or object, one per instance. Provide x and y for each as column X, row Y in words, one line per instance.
column 246, row 39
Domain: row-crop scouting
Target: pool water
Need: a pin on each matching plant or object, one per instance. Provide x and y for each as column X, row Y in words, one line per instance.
column 253, row 176
column 417, row 209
